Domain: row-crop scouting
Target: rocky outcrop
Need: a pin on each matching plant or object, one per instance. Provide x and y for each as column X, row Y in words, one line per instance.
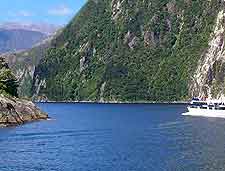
column 86, row 52
column 171, row 6
column 102, row 89
column 131, row 40
column 150, row 39
column 38, row 84
column 208, row 80
column 116, row 6
column 15, row 111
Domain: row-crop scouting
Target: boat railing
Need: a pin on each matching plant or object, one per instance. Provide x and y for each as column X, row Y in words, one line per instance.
column 207, row 105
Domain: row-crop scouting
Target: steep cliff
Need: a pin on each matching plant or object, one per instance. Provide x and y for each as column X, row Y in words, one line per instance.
column 23, row 65
column 208, row 80
column 128, row 50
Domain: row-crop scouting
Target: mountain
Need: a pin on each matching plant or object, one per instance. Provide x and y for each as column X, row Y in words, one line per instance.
column 45, row 28
column 131, row 51
column 23, row 65
column 15, row 40
column 23, row 62
column 18, row 36
column 151, row 50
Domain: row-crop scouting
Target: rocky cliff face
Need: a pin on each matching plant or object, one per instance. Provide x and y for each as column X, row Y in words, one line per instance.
column 23, row 65
column 23, row 62
column 152, row 50
column 208, row 80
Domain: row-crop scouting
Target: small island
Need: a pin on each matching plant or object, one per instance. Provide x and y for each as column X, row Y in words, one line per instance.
column 14, row 110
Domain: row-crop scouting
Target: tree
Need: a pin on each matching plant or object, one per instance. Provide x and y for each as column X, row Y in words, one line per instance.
column 8, row 81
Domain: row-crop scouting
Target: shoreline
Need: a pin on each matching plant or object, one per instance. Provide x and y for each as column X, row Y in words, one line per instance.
column 115, row 102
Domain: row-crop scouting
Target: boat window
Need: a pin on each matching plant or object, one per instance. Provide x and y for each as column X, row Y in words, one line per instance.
column 203, row 107
column 199, row 103
column 221, row 108
column 196, row 99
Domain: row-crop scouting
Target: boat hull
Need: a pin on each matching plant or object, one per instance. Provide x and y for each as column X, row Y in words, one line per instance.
column 205, row 113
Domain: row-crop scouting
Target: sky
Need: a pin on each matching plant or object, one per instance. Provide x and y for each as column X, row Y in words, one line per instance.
column 58, row 12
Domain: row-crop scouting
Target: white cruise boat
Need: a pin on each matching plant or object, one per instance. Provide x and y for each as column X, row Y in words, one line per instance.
column 208, row 108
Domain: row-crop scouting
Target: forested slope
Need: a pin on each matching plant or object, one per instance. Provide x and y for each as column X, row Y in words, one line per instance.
column 129, row 50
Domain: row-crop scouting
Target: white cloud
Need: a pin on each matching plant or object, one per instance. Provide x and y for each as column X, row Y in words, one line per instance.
column 25, row 13
column 61, row 10
column 21, row 13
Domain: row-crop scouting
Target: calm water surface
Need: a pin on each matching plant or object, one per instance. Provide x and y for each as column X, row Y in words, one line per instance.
column 93, row 137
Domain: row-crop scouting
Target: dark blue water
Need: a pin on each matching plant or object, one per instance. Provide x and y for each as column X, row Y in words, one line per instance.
column 92, row 137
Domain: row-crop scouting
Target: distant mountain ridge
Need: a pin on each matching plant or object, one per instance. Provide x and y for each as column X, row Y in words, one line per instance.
column 45, row 28
column 19, row 36
column 19, row 39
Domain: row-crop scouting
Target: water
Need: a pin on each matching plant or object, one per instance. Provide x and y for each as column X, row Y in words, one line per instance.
column 92, row 137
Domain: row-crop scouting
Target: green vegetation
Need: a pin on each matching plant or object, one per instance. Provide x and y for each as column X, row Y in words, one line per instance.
column 144, row 51
column 23, row 65
column 8, row 82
